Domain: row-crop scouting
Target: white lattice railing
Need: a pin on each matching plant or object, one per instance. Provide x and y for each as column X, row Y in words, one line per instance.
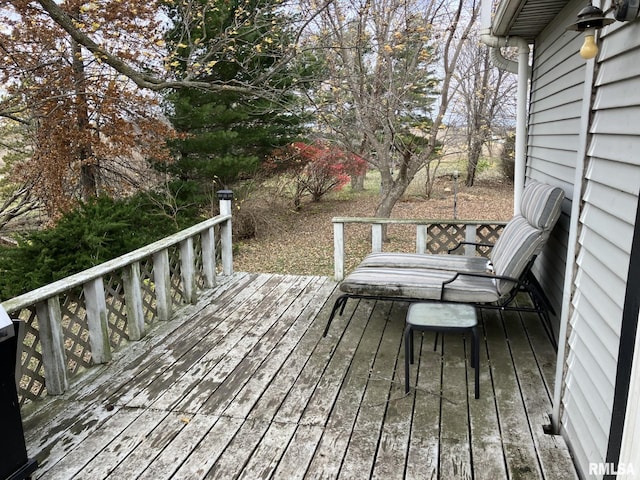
column 432, row 236
column 78, row 321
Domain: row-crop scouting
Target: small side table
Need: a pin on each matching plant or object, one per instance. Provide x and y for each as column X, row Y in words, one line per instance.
column 441, row 317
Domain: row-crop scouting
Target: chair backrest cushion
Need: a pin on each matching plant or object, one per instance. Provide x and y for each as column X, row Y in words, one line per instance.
column 520, row 242
column 541, row 205
column 526, row 234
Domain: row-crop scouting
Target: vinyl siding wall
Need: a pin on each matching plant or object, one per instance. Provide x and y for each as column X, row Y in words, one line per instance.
column 554, row 134
column 611, row 183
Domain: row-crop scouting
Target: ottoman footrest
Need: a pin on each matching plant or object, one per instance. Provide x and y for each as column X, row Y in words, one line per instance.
column 442, row 317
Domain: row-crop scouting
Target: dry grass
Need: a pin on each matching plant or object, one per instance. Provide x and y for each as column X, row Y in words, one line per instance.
column 301, row 242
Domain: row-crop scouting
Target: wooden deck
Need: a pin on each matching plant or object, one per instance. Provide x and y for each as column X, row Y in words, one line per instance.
column 245, row 386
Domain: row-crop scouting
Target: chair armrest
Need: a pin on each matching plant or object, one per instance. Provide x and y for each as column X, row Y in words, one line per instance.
column 516, row 281
column 477, row 244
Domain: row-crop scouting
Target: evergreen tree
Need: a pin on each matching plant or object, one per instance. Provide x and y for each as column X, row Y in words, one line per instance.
column 92, row 233
column 226, row 135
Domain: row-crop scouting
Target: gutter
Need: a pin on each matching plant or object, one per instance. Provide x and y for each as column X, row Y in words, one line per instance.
column 521, row 67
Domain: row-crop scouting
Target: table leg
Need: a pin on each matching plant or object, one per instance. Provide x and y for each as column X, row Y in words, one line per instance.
column 476, row 361
column 408, row 355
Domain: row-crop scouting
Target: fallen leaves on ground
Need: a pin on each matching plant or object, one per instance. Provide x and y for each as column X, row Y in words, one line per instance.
column 301, row 242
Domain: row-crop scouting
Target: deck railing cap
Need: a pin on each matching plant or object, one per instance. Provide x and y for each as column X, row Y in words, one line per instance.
column 92, row 273
column 414, row 221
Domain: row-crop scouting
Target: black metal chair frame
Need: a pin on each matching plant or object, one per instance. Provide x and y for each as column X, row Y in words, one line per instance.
column 527, row 283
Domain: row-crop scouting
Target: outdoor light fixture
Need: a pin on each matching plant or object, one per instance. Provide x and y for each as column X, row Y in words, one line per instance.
column 590, row 19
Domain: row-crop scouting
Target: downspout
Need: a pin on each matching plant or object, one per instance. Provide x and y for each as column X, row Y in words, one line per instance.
column 521, row 67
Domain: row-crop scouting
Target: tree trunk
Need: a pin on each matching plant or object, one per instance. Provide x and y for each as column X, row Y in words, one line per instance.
column 430, row 176
column 389, row 198
column 474, row 157
column 88, row 167
column 357, row 183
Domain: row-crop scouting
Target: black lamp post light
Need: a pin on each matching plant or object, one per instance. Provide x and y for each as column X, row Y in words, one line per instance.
column 592, row 18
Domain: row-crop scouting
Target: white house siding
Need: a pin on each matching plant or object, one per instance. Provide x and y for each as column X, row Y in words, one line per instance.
column 554, row 134
column 630, row 454
column 612, row 179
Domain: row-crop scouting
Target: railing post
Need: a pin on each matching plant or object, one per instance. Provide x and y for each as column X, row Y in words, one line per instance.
column 208, row 247
column 133, row 299
column 421, row 238
column 162, row 280
column 376, row 237
column 338, row 251
column 470, row 236
column 225, row 197
column 97, row 320
column 187, row 270
column 52, row 342
column 21, row 333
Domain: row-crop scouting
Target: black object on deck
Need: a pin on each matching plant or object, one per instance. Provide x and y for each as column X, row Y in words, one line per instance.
column 14, row 462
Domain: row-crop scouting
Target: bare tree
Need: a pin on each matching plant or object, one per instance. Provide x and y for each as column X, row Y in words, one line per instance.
column 390, row 68
column 147, row 65
column 17, row 192
column 485, row 99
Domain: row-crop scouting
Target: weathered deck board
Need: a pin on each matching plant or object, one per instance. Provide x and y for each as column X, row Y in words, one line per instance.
column 395, row 424
column 531, row 384
column 361, row 451
column 455, row 451
column 55, row 415
column 199, row 461
column 487, row 451
column 424, row 444
column 148, row 356
column 245, row 386
column 152, row 448
column 330, row 452
column 517, row 441
column 297, row 321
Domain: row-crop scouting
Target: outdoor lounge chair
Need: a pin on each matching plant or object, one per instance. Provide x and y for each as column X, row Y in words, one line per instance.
column 485, row 282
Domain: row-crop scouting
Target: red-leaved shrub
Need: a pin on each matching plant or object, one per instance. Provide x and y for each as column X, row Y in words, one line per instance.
column 315, row 168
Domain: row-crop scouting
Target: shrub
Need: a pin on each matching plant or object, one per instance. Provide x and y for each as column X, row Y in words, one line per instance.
column 484, row 164
column 93, row 233
column 324, row 171
column 314, row 169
